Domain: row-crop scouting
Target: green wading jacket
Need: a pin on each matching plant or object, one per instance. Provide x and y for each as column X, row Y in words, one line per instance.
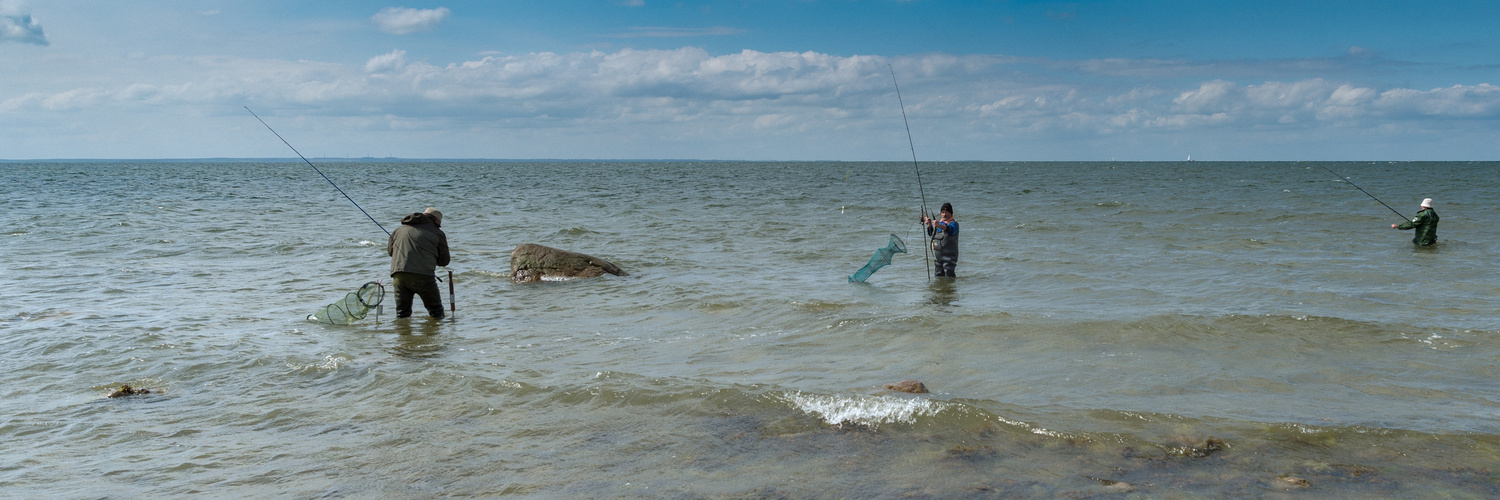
column 418, row 246
column 1426, row 225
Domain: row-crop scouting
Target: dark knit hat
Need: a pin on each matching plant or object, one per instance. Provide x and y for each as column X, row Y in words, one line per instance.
column 948, row 207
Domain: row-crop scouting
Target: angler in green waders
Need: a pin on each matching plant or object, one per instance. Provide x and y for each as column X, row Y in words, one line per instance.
column 417, row 248
column 1425, row 223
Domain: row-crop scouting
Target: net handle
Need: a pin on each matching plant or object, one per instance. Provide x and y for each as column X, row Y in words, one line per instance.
column 378, row 297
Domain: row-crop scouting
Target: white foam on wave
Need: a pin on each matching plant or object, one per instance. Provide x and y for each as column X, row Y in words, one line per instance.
column 1042, row 431
column 330, row 363
column 863, row 410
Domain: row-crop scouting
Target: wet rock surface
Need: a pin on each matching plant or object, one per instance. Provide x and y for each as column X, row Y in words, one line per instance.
column 911, row 386
column 126, row 390
column 533, row 262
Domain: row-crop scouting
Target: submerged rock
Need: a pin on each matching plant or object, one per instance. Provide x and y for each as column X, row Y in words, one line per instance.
column 1293, row 482
column 1199, row 449
column 533, row 262
column 911, row 386
column 126, row 390
column 1114, row 486
column 966, row 452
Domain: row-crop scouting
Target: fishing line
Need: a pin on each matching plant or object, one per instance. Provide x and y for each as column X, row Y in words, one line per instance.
column 1367, row 193
column 920, row 190
column 320, row 172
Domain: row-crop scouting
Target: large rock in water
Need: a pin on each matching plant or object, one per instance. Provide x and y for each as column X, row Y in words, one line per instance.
column 532, row 262
column 911, row 386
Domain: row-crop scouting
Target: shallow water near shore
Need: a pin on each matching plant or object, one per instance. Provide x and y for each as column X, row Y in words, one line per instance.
column 1155, row 329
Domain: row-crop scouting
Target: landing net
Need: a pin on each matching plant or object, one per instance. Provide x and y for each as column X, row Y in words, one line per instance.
column 881, row 258
column 353, row 307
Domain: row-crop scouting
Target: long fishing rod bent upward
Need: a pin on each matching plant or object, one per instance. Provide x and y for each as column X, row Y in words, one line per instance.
column 320, row 172
column 1367, row 193
column 925, row 236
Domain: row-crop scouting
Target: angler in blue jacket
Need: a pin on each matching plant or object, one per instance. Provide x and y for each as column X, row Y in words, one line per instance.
column 944, row 233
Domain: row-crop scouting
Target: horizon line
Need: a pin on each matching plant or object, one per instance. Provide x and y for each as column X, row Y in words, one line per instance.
column 670, row 160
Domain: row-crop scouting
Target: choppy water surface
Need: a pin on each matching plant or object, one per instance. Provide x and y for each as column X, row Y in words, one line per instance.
column 1177, row 329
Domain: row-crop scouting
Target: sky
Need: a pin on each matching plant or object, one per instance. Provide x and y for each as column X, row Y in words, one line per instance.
column 752, row 79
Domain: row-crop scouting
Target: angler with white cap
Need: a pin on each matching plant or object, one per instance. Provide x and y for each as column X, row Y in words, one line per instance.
column 1425, row 223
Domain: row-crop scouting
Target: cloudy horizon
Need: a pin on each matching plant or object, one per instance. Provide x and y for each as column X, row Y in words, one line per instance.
column 1031, row 81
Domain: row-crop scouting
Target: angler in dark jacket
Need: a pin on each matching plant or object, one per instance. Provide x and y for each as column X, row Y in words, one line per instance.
column 1425, row 223
column 944, row 233
column 417, row 248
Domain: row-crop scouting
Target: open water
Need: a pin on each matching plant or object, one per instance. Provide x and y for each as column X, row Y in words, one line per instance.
column 1117, row 329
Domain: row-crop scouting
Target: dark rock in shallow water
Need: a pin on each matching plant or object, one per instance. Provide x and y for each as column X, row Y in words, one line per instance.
column 532, row 262
column 126, row 390
column 966, row 452
column 851, row 426
column 1114, row 486
column 1200, row 449
column 908, row 386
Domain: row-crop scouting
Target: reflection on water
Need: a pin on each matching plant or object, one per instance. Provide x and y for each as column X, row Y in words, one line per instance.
column 417, row 337
column 942, row 291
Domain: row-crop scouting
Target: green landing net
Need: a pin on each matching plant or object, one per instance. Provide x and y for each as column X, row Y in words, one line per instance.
column 353, row 307
column 881, row 258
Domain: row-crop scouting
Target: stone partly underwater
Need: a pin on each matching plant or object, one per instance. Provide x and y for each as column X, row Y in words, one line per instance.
column 532, row 262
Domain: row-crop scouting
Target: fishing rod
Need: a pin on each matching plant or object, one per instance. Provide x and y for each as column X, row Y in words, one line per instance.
column 1367, row 193
column 925, row 236
column 320, row 172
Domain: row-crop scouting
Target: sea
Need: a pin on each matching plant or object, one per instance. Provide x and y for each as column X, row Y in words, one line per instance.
column 1116, row 330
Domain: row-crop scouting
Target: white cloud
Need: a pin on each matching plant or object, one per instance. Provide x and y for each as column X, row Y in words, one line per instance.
column 1214, row 95
column 73, row 99
column 402, row 20
column 385, row 63
column 800, row 104
column 1479, row 101
column 1346, row 101
column 761, row 88
column 1296, row 95
column 16, row 24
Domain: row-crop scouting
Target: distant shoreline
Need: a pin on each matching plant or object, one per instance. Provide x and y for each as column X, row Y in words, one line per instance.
column 636, row 160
